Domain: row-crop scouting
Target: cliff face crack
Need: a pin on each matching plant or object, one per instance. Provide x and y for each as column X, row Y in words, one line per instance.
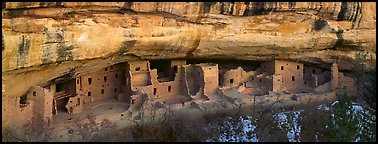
column 361, row 13
column 356, row 12
column 207, row 6
column 343, row 11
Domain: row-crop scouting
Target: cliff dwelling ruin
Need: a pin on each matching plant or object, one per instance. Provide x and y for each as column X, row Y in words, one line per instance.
column 130, row 64
column 123, row 88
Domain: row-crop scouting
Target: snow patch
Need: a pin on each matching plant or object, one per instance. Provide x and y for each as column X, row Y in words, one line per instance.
column 291, row 124
column 239, row 132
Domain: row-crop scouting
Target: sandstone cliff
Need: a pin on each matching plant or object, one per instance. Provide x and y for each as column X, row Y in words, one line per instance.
column 56, row 38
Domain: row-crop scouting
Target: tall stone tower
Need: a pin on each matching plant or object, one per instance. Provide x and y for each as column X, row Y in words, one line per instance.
column 335, row 75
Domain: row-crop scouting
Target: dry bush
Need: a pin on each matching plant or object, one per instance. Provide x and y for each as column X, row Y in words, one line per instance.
column 166, row 127
column 266, row 128
column 90, row 130
column 29, row 132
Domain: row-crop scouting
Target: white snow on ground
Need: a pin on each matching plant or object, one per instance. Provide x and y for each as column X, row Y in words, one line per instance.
column 290, row 124
column 287, row 122
column 231, row 131
column 323, row 107
column 359, row 111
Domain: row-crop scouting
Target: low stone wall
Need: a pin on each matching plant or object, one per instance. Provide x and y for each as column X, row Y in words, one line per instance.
column 287, row 100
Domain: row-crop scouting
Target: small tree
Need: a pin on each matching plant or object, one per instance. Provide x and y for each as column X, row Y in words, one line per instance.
column 343, row 125
column 366, row 82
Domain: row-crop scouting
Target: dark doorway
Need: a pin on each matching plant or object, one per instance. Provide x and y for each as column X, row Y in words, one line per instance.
column 61, row 105
column 59, row 87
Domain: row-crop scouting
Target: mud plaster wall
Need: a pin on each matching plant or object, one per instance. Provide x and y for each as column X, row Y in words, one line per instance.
column 148, row 81
column 255, row 79
column 289, row 76
column 287, row 100
column 267, row 67
column 136, row 66
column 75, row 104
column 161, row 88
column 210, row 74
column 309, row 79
column 140, row 74
column 347, row 84
column 265, row 83
column 43, row 102
column 102, row 84
column 13, row 114
column 167, row 88
column 233, row 77
column 314, row 76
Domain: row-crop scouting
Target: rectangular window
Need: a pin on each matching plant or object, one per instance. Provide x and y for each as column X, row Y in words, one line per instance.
column 292, row 78
column 102, row 91
column 34, row 93
column 252, row 78
column 231, row 80
column 106, row 69
column 313, row 71
column 104, row 78
column 260, row 80
column 116, row 75
column 169, row 88
column 154, row 91
column 78, row 101
column 89, row 81
column 297, row 66
column 89, row 93
column 77, row 81
column 282, row 67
